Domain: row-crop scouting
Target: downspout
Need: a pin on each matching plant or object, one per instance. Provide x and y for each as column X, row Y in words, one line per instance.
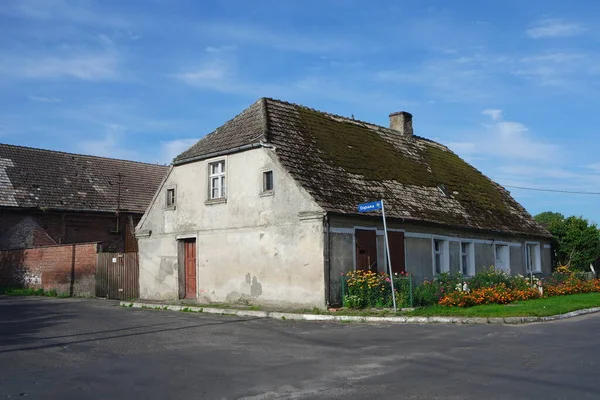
column 327, row 263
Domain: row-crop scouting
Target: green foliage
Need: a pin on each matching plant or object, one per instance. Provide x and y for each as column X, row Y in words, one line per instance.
column 369, row 289
column 354, row 301
column 430, row 292
column 538, row 307
column 490, row 277
column 32, row 292
column 549, row 218
column 576, row 240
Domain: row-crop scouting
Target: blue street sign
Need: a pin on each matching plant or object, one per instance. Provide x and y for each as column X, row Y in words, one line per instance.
column 372, row 206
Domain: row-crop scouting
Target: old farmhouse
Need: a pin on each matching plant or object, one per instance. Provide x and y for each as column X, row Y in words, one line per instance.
column 50, row 197
column 264, row 210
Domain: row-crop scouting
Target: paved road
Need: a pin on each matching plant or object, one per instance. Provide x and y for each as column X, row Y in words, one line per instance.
column 80, row 349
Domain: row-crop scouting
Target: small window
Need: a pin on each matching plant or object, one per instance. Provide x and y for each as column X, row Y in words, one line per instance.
column 217, row 180
column 171, row 197
column 441, row 260
column 532, row 254
column 267, row 181
column 466, row 259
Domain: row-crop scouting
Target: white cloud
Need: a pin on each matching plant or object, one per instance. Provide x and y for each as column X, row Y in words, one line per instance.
column 506, row 140
column 301, row 42
column 208, row 74
column 171, row 149
column 495, row 114
column 554, row 27
column 559, row 69
column 100, row 66
column 76, row 12
column 220, row 49
column 43, row 99
column 110, row 145
column 594, row 167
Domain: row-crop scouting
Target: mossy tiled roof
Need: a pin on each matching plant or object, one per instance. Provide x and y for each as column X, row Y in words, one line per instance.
column 342, row 162
column 46, row 179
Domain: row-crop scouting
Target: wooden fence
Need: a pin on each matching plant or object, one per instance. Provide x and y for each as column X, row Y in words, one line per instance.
column 117, row 276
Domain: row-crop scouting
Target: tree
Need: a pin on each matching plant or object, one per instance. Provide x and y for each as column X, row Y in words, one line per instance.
column 576, row 240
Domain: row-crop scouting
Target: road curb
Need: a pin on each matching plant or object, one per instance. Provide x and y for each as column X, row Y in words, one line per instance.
column 353, row 318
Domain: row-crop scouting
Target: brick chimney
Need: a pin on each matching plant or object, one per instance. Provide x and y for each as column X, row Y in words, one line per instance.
column 402, row 122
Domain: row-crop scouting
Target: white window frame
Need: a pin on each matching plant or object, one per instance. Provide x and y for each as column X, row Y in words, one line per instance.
column 167, row 205
column 220, row 177
column 470, row 254
column 444, row 253
column 538, row 257
column 506, row 248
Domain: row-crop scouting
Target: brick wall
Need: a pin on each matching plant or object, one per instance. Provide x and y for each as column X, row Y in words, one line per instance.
column 51, row 267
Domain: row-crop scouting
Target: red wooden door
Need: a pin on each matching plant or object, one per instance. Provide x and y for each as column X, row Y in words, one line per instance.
column 396, row 242
column 190, row 268
column 366, row 250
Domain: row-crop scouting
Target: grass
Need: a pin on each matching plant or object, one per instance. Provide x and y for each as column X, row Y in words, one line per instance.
column 31, row 292
column 530, row 308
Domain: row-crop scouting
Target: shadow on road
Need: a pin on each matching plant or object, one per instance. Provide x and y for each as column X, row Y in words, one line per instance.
column 21, row 319
column 21, row 322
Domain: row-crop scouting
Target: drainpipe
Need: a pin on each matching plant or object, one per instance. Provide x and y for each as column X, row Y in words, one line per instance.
column 327, row 263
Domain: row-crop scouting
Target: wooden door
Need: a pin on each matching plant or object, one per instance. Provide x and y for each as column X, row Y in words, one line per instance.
column 366, row 250
column 396, row 242
column 190, row 268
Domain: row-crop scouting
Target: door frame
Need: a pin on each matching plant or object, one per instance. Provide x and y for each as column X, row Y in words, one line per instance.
column 181, row 273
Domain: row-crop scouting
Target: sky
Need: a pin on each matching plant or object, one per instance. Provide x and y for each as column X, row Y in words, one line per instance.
column 511, row 86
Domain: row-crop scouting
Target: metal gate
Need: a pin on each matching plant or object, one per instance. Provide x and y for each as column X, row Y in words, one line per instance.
column 117, row 276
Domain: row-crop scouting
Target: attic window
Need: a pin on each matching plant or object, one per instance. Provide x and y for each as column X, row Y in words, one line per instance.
column 171, row 199
column 267, row 181
column 443, row 190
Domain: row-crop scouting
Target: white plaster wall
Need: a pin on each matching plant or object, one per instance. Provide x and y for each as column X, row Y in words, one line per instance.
column 275, row 241
column 158, row 268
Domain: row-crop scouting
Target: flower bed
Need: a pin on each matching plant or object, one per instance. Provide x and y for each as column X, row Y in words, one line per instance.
column 367, row 289
column 497, row 287
column 489, row 286
column 488, row 295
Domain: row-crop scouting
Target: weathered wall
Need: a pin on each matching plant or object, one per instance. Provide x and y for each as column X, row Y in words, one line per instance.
column 51, row 267
column 419, row 249
column 253, row 248
column 64, row 227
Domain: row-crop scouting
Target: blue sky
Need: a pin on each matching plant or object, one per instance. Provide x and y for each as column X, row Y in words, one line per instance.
column 511, row 86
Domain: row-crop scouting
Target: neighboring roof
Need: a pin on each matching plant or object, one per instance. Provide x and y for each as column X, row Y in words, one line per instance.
column 342, row 162
column 45, row 179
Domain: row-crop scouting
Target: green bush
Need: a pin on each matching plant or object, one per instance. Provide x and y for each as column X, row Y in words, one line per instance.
column 366, row 289
column 429, row 292
column 31, row 292
column 490, row 277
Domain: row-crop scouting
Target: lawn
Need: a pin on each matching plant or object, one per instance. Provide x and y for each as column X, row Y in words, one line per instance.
column 533, row 308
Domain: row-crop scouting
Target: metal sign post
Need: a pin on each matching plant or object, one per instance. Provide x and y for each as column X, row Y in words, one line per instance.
column 378, row 205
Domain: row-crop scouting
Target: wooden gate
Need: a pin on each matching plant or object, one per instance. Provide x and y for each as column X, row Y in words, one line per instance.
column 117, row 276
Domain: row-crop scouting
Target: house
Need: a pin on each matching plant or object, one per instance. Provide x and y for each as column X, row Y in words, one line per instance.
column 50, row 197
column 264, row 210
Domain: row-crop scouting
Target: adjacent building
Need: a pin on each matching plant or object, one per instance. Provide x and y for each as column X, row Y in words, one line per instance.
column 50, row 197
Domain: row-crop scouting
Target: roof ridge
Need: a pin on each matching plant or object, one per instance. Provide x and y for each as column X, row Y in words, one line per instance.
column 80, row 155
column 350, row 119
column 265, row 117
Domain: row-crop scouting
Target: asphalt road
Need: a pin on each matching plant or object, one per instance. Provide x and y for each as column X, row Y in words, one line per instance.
column 92, row 349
